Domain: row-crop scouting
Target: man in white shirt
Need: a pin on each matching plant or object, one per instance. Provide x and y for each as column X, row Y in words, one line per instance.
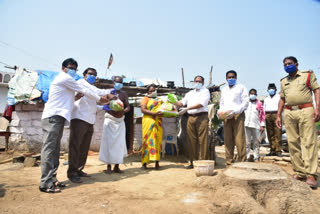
column 274, row 133
column 56, row 112
column 234, row 100
column 254, row 124
column 197, row 126
column 81, row 127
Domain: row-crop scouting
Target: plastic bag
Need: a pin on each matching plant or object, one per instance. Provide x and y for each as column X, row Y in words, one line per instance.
column 116, row 105
column 172, row 98
column 169, row 110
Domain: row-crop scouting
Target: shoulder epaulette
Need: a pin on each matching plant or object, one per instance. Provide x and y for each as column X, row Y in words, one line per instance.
column 283, row 78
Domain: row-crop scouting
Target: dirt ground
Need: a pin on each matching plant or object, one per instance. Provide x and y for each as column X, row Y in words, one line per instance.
column 169, row 190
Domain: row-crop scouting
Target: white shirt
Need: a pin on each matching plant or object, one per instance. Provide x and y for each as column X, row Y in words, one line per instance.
column 271, row 103
column 86, row 108
column 61, row 96
column 234, row 98
column 252, row 116
column 194, row 97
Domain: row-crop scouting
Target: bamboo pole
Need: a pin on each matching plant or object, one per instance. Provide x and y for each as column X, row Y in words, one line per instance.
column 182, row 77
column 210, row 75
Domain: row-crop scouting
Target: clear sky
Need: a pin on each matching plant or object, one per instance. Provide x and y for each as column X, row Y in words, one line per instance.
column 154, row 39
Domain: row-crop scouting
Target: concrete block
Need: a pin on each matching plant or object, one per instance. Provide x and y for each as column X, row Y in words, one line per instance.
column 33, row 107
column 25, row 123
column 15, row 116
column 29, row 162
column 36, row 115
column 18, row 107
column 36, row 123
column 16, row 130
column 30, row 131
column 14, row 123
column 22, row 115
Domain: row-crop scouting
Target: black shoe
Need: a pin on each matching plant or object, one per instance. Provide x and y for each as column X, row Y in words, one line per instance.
column 271, row 154
column 190, row 166
column 75, row 179
column 83, row 174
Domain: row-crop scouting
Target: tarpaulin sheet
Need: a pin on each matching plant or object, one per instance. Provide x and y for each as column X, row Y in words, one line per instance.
column 45, row 80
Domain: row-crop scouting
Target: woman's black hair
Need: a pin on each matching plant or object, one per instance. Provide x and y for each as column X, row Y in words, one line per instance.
column 149, row 86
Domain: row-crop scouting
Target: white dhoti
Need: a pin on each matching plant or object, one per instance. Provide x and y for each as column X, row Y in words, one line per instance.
column 113, row 146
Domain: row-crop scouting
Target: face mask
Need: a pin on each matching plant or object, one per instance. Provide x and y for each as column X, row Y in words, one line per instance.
column 271, row 92
column 118, row 86
column 290, row 68
column 232, row 81
column 72, row 72
column 252, row 97
column 91, row 79
column 198, row 86
column 153, row 94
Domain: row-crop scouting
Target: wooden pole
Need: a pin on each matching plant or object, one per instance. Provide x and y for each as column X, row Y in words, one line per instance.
column 182, row 77
column 210, row 75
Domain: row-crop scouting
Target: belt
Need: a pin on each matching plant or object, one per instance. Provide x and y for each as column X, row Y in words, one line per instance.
column 271, row 112
column 299, row 106
column 198, row 114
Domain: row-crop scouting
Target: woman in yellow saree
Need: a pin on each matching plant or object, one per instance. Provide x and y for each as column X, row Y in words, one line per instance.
column 151, row 128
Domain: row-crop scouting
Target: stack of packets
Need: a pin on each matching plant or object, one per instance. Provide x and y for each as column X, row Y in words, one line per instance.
column 168, row 109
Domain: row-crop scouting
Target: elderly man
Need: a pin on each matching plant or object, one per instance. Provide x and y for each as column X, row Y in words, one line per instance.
column 113, row 146
column 197, row 126
column 234, row 101
column 300, row 116
column 56, row 112
column 81, row 129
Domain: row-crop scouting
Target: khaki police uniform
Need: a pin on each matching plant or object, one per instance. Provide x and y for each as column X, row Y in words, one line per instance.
column 299, row 124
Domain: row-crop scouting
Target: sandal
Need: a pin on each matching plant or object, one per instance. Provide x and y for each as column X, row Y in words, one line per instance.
column 59, row 184
column 52, row 189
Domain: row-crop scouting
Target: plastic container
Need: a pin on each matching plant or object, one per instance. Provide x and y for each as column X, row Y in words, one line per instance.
column 204, row 167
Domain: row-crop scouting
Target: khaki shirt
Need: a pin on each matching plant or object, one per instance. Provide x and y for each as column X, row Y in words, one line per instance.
column 295, row 89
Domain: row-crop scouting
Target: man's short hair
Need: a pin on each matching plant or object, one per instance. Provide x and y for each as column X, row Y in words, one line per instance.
column 292, row 58
column 149, row 86
column 202, row 79
column 272, row 85
column 89, row 69
column 252, row 89
column 69, row 61
column 115, row 77
column 232, row 72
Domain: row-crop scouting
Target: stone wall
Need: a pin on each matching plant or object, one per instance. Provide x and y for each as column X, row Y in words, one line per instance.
column 26, row 130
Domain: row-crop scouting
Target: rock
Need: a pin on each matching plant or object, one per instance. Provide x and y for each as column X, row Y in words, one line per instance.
column 29, row 162
column 288, row 159
column 19, row 159
column 278, row 158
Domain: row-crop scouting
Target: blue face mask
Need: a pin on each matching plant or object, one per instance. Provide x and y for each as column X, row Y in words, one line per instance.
column 72, row 72
column 118, row 86
column 232, row 81
column 252, row 97
column 91, row 79
column 271, row 92
column 290, row 68
column 198, row 86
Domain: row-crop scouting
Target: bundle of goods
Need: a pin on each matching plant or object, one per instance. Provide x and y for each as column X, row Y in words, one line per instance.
column 116, row 105
column 169, row 110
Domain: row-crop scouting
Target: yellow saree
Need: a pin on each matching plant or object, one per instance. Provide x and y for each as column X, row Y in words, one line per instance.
column 151, row 133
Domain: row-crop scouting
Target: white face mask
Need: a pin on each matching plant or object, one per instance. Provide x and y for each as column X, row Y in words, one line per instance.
column 153, row 94
column 198, row 86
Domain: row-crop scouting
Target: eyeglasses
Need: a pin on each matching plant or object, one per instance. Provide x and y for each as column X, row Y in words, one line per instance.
column 93, row 74
column 72, row 68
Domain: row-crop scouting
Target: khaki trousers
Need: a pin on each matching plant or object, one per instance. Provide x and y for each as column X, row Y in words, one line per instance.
column 273, row 132
column 302, row 141
column 197, row 137
column 234, row 135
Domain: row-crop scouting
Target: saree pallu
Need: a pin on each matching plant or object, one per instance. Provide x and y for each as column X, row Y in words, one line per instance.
column 151, row 133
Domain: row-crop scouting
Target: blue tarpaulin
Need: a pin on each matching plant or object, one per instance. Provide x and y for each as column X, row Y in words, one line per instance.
column 44, row 82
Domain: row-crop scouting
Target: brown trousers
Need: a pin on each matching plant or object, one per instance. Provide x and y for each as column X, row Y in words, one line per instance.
column 234, row 135
column 197, row 137
column 273, row 132
column 79, row 144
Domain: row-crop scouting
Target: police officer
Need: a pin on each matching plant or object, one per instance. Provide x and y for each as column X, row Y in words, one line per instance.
column 300, row 117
